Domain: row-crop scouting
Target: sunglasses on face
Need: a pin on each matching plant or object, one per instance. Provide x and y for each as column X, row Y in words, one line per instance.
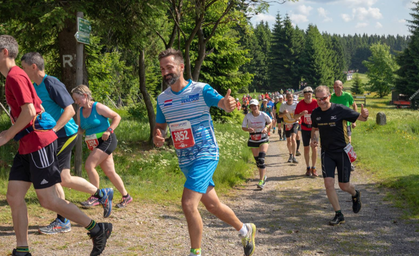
column 308, row 92
column 322, row 98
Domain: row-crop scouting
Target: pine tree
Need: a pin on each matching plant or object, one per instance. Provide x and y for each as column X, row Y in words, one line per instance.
column 276, row 79
column 408, row 74
column 357, row 86
column 313, row 60
column 340, row 64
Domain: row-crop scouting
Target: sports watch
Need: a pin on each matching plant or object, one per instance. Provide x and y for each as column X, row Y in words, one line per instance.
column 110, row 130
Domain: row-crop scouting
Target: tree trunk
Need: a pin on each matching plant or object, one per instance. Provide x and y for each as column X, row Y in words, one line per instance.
column 67, row 49
column 146, row 96
column 201, row 56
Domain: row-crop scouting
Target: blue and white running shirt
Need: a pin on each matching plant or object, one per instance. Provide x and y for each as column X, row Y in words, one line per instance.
column 191, row 104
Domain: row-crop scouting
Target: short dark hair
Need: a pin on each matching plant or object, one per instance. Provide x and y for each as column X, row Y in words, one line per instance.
column 177, row 54
column 9, row 43
column 34, row 58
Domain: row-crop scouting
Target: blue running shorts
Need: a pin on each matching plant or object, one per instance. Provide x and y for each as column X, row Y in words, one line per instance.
column 199, row 175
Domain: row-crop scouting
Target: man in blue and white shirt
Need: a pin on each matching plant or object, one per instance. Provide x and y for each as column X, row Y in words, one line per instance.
column 184, row 106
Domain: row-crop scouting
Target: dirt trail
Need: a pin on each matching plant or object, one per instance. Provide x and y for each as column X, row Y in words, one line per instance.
column 291, row 214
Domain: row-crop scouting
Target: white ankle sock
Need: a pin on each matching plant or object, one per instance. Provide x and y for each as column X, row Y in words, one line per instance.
column 243, row 231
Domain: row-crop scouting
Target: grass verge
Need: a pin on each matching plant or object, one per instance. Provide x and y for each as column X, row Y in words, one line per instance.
column 388, row 152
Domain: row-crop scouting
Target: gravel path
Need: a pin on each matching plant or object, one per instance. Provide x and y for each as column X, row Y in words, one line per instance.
column 291, row 214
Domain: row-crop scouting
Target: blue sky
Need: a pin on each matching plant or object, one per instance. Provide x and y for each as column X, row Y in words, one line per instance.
column 381, row 17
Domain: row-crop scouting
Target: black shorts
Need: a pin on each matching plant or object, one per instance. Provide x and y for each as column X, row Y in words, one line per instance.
column 253, row 144
column 65, row 146
column 339, row 160
column 109, row 145
column 39, row 167
column 306, row 137
column 279, row 120
column 294, row 129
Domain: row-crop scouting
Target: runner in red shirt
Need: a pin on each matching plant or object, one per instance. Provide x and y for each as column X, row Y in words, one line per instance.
column 36, row 162
column 303, row 110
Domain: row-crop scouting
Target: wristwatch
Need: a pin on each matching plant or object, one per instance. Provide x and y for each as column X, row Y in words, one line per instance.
column 110, row 130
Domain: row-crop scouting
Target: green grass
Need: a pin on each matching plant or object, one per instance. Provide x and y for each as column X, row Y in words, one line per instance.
column 389, row 152
column 150, row 175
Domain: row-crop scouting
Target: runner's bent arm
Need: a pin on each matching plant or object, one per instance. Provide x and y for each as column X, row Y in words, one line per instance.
column 64, row 118
column 26, row 115
column 109, row 113
column 314, row 138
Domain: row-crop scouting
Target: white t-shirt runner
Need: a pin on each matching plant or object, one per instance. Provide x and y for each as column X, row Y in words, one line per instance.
column 258, row 123
column 289, row 117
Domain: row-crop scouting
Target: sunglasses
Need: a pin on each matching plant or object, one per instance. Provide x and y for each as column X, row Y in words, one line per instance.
column 322, row 98
column 308, row 92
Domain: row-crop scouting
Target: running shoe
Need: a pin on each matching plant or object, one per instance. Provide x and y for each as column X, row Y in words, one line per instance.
column 14, row 253
column 106, row 201
column 338, row 219
column 99, row 239
column 290, row 159
column 298, row 153
column 55, row 227
column 261, row 183
column 313, row 172
column 248, row 240
column 269, row 133
column 124, row 201
column 294, row 160
column 90, row 202
column 308, row 172
column 273, row 131
column 352, row 168
column 356, row 202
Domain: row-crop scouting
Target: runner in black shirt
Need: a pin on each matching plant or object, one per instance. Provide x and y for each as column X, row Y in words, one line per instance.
column 331, row 120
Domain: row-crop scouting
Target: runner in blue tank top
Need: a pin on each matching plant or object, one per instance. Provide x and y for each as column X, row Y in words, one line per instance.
column 184, row 106
column 93, row 118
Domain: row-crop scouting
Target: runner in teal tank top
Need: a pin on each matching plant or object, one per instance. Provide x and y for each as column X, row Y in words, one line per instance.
column 93, row 117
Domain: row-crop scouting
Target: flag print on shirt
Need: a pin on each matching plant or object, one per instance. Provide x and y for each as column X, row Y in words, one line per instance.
column 167, row 103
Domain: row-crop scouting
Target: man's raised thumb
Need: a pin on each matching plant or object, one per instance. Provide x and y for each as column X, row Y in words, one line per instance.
column 228, row 93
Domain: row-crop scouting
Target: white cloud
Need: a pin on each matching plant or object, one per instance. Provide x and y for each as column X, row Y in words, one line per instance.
column 362, row 13
column 378, row 25
column 264, row 17
column 323, row 13
column 298, row 18
column 305, row 10
column 402, row 21
column 346, row 17
column 361, row 25
column 357, row 3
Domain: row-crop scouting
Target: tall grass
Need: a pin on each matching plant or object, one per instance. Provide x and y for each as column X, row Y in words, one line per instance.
column 389, row 152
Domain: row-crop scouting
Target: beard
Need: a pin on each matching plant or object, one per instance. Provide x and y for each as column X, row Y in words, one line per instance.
column 170, row 79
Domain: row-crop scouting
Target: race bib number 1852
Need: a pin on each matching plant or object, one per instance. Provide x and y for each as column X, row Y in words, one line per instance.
column 182, row 135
